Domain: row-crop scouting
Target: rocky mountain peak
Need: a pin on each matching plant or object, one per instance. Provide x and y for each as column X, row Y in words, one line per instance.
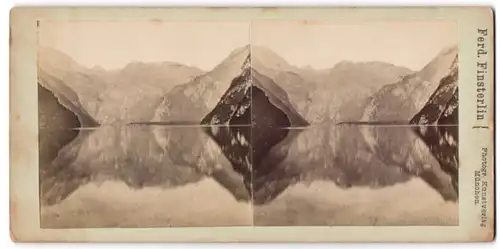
column 411, row 92
column 440, row 65
column 247, row 63
column 452, row 49
column 265, row 57
column 443, row 102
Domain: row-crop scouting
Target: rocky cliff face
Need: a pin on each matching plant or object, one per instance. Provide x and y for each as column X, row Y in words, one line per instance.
column 351, row 83
column 66, row 97
column 402, row 100
column 87, row 84
column 316, row 95
column 256, row 141
column 298, row 85
column 170, row 92
column 253, row 98
column 191, row 101
column 443, row 102
column 60, row 115
column 130, row 94
column 321, row 95
column 138, row 88
column 439, row 123
column 258, row 114
column 235, row 101
column 269, row 100
column 55, row 122
column 355, row 155
column 271, row 159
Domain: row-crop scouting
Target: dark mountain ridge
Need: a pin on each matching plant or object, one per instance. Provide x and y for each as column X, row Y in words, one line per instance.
column 440, row 119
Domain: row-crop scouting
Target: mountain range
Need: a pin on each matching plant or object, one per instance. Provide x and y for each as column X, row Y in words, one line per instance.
column 253, row 86
column 168, row 91
column 127, row 94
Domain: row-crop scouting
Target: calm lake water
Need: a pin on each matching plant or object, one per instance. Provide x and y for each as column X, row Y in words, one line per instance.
column 152, row 176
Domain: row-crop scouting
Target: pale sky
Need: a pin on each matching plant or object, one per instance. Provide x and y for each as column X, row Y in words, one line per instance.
column 323, row 44
column 112, row 45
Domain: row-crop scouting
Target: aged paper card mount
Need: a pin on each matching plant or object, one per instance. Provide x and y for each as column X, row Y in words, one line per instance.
column 252, row 124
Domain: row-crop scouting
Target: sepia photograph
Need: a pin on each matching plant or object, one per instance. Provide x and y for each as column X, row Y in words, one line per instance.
column 252, row 124
column 121, row 137
column 262, row 123
column 379, row 145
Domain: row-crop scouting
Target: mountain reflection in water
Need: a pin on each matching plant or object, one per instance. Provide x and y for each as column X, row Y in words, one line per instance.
column 221, row 175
